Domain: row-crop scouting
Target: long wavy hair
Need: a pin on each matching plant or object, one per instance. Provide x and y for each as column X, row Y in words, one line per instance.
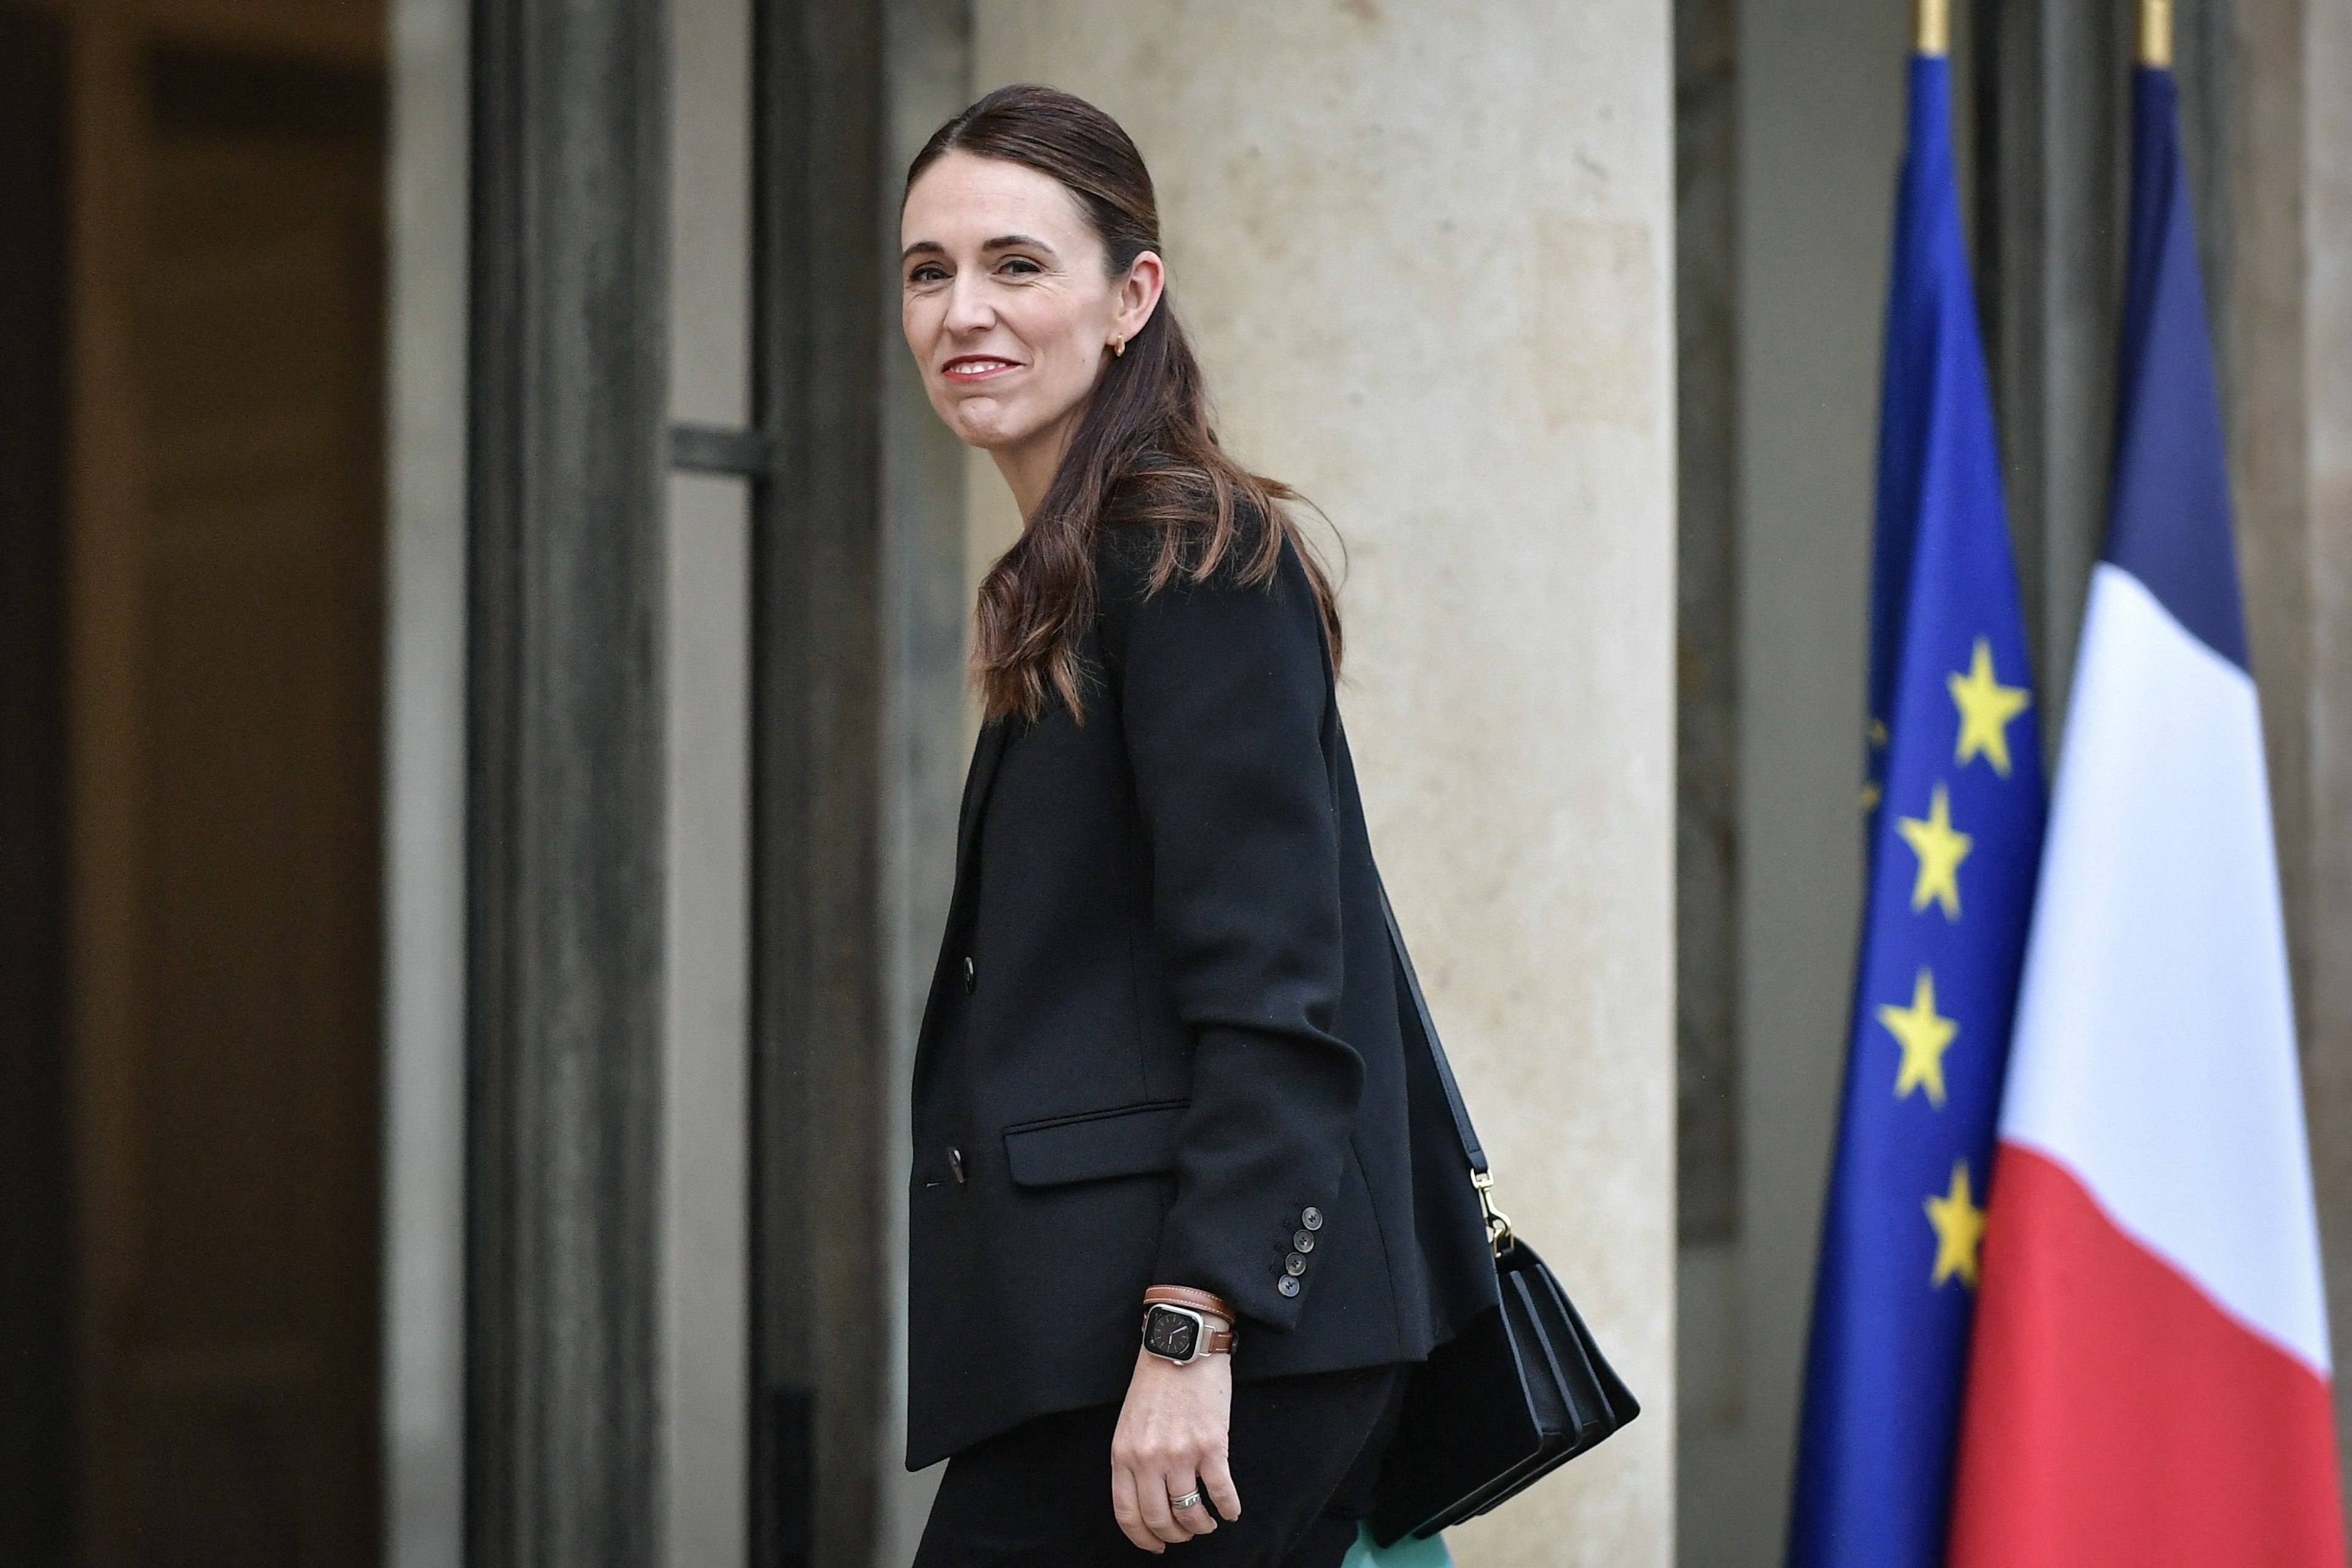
column 1145, row 453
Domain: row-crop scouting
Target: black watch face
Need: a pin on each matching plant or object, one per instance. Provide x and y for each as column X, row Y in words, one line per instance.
column 1171, row 1333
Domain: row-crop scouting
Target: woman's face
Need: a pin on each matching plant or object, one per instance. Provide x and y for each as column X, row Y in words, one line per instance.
column 1008, row 303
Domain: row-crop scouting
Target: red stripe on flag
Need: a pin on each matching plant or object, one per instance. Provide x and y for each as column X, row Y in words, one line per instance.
column 2117, row 1414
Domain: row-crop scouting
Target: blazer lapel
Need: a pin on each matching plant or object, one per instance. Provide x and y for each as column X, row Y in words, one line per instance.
column 985, row 756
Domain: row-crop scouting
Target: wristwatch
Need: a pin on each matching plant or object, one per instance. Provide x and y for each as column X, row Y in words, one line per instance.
column 1177, row 1330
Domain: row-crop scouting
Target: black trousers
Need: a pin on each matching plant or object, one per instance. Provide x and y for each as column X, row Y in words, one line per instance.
column 1305, row 1452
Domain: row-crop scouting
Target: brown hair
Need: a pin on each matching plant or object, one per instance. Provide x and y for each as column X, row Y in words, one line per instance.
column 1144, row 452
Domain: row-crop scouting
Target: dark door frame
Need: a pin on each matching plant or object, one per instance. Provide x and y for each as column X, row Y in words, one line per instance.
column 569, row 448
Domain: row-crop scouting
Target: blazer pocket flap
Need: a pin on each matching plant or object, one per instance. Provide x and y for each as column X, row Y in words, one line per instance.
column 1131, row 1139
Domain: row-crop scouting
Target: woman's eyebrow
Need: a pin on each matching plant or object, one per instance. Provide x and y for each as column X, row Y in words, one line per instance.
column 1010, row 241
column 1002, row 242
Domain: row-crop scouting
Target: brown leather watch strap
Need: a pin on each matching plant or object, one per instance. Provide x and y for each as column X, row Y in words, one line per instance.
column 1186, row 1296
column 1220, row 1341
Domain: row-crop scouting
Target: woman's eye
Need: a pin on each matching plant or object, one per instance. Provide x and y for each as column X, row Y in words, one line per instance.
column 926, row 274
column 1019, row 265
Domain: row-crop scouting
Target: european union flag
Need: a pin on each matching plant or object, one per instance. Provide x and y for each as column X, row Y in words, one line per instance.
column 1955, row 806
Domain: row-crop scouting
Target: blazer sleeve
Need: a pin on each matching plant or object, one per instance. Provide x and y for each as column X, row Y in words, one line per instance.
column 1221, row 698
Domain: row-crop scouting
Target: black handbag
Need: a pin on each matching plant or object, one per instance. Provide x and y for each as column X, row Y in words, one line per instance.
column 1517, row 1394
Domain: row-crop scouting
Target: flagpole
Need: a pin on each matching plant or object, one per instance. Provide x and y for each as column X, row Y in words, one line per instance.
column 1931, row 23
column 2155, row 32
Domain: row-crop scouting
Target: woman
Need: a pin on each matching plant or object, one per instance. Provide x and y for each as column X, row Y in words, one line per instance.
column 1184, row 1208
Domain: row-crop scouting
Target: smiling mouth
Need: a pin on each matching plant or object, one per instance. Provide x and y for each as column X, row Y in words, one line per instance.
column 976, row 368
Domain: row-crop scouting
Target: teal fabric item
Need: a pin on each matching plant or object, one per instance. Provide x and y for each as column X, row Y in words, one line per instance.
column 1407, row 1553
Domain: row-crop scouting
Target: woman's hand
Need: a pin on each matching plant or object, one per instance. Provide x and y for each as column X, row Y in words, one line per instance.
column 1170, row 1441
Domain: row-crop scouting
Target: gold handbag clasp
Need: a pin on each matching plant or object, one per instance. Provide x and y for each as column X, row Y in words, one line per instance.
column 1498, row 1224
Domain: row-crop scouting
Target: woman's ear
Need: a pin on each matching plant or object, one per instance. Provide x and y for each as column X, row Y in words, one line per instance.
column 1139, row 295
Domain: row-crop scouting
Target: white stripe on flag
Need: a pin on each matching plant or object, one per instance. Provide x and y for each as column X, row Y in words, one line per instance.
column 2155, row 1049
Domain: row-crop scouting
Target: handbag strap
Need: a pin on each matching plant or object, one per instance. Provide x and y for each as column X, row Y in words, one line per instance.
column 1498, row 1227
column 1471, row 1148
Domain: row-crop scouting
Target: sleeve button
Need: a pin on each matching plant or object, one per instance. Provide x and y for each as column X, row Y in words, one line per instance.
column 1287, row 1285
column 1302, row 1241
column 971, row 976
column 1312, row 1219
column 1294, row 1265
column 955, row 1163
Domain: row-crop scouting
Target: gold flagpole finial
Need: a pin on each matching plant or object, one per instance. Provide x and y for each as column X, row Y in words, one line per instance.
column 1932, row 28
column 2155, row 33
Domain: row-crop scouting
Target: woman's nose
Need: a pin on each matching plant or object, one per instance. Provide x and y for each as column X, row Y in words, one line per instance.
column 968, row 310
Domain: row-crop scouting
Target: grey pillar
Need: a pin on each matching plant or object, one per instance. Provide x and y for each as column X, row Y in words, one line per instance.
column 819, row 1059
column 565, row 730
column 2288, row 382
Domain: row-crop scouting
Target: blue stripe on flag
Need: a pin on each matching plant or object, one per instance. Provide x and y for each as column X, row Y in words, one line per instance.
column 2170, row 510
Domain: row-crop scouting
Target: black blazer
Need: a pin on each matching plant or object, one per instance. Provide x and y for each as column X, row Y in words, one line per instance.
column 1164, row 1042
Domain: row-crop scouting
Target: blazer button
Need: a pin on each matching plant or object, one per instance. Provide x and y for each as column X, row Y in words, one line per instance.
column 1287, row 1285
column 971, row 978
column 1302, row 1241
column 1294, row 1265
column 955, row 1164
column 1312, row 1219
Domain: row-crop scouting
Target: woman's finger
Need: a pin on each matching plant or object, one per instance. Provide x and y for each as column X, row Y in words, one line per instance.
column 1151, row 1492
column 1197, row 1517
column 1217, row 1477
column 1126, row 1507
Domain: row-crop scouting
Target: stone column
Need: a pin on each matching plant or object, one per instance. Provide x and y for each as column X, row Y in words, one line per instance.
column 565, row 798
column 1426, row 253
column 2289, row 380
column 1821, row 104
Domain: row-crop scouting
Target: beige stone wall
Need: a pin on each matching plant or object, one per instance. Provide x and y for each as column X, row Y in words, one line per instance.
column 1426, row 251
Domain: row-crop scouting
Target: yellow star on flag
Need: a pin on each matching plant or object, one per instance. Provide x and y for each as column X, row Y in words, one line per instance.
column 1924, row 1037
column 1985, row 707
column 1940, row 849
column 1959, row 1226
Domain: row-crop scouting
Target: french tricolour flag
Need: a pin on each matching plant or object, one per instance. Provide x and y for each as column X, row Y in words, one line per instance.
column 2149, row 1380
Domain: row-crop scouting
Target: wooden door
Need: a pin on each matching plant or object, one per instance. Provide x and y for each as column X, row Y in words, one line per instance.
column 226, row 537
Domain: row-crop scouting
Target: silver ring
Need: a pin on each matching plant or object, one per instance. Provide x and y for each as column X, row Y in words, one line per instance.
column 1189, row 1500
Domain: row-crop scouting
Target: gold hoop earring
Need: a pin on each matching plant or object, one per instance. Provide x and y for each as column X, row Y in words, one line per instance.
column 1118, row 347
